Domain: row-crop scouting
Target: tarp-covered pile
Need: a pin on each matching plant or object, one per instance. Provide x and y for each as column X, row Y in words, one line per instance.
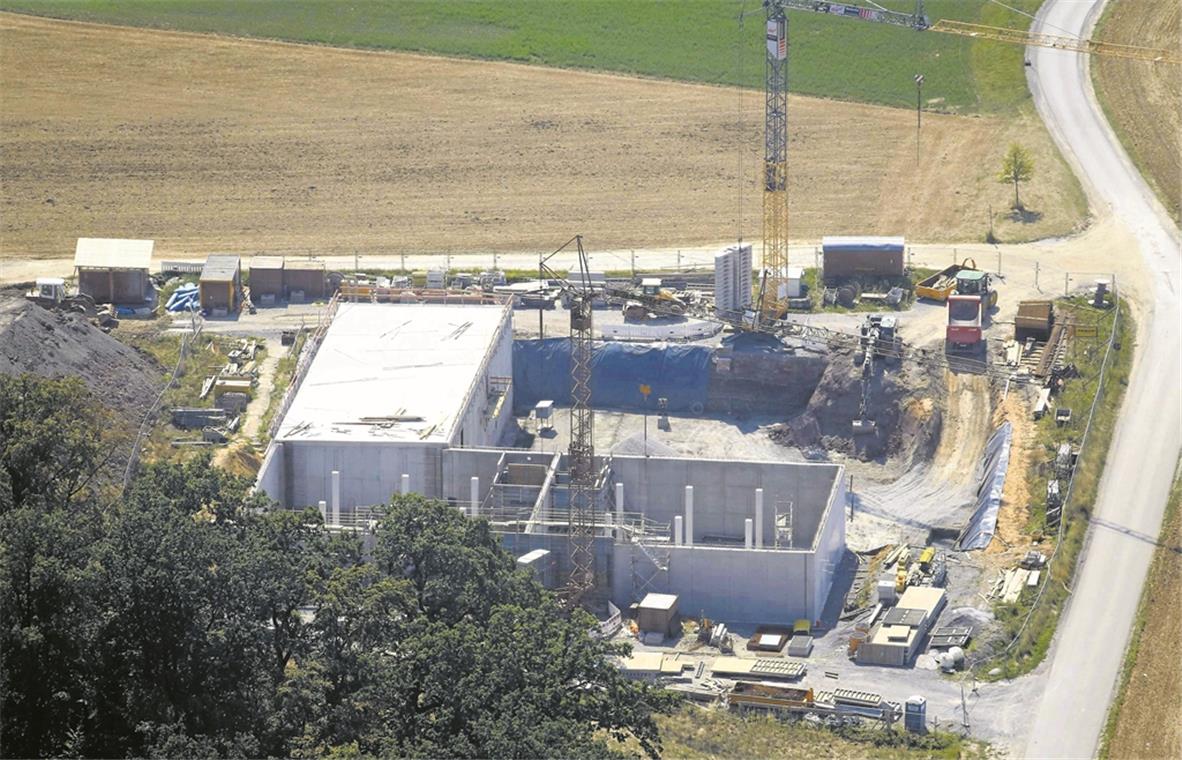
column 680, row 374
column 184, row 298
column 981, row 526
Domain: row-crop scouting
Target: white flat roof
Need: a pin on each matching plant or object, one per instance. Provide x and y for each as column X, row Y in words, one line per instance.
column 113, row 253
column 653, row 601
column 414, row 362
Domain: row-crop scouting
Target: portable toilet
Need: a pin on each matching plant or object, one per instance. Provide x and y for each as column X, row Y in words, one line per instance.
column 915, row 715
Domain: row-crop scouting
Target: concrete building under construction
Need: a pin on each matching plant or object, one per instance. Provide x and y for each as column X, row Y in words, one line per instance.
column 417, row 397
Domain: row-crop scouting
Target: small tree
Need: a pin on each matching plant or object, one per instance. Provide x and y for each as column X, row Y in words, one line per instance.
column 1017, row 166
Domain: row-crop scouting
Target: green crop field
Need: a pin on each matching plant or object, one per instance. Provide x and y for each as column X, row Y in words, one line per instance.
column 693, row 40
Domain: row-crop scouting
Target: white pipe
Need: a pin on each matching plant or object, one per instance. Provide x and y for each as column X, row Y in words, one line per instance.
column 748, row 533
column 405, row 484
column 677, row 530
column 689, row 515
column 758, row 518
column 336, row 497
column 475, row 494
column 324, row 511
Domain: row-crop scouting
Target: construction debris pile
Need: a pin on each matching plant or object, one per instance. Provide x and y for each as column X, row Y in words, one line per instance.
column 232, row 388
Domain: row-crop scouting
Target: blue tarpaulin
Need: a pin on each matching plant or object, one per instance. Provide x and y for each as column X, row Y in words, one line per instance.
column 681, row 374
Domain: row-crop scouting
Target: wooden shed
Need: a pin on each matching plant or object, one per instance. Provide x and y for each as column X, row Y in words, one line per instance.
column 266, row 279
column 221, row 283
column 304, row 279
column 111, row 270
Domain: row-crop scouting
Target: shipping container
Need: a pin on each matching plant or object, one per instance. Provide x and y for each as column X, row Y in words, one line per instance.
column 843, row 257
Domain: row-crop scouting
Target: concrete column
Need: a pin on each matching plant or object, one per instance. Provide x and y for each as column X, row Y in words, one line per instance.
column 610, row 524
column 324, row 511
column 689, row 515
column 475, row 494
column 336, row 497
column 748, row 533
column 758, row 518
column 405, row 484
column 677, row 530
column 620, row 503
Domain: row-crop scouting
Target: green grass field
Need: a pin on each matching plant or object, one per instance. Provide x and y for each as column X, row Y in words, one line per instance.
column 692, row 40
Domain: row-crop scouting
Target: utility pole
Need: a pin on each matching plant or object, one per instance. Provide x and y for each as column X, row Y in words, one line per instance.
column 1036, row 276
column 403, row 257
column 991, row 222
column 494, row 261
column 634, row 265
column 678, row 259
column 918, row 112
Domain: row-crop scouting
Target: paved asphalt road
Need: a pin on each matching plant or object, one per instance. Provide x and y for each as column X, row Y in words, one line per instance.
column 1090, row 644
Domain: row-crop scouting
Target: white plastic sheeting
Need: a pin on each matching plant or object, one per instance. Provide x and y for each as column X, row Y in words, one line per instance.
column 979, row 531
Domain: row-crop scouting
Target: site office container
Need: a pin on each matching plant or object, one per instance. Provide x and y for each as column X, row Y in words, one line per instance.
column 861, row 257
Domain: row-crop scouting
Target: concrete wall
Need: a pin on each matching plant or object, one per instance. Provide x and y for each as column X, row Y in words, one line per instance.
column 271, row 474
column 830, row 546
column 724, row 493
column 371, row 472
column 476, row 428
column 734, row 585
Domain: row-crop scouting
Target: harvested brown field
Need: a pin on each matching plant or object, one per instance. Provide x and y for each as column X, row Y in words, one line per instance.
column 1144, row 721
column 1143, row 101
column 217, row 144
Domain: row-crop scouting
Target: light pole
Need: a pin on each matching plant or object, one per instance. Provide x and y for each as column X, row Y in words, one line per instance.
column 918, row 112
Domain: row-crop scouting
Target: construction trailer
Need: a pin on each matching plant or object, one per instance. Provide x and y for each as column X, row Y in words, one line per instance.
column 111, row 270
column 220, row 284
column 899, row 636
column 305, row 280
column 266, row 280
column 845, row 257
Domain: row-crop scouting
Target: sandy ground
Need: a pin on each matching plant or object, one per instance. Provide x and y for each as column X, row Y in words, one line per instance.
column 1144, row 100
column 216, row 144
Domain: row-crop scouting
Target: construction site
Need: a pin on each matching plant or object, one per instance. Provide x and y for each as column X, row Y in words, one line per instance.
column 803, row 480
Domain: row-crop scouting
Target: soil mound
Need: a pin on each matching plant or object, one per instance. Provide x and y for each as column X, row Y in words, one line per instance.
column 61, row 344
column 899, row 401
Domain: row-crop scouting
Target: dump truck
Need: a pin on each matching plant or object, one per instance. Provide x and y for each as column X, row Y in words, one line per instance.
column 964, row 333
column 945, row 282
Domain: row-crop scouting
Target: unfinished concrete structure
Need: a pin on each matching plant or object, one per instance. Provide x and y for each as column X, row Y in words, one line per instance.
column 390, row 387
column 110, row 270
column 417, row 398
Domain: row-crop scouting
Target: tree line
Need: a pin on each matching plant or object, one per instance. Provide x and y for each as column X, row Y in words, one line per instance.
column 186, row 617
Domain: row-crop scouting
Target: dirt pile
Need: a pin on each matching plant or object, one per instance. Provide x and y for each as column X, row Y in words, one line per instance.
column 899, row 402
column 61, row 344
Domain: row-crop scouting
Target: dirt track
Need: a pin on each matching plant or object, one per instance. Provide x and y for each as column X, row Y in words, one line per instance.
column 216, row 144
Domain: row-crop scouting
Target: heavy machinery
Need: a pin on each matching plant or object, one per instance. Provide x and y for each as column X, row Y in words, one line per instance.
column 964, row 332
column 48, row 291
column 968, row 312
column 651, row 297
